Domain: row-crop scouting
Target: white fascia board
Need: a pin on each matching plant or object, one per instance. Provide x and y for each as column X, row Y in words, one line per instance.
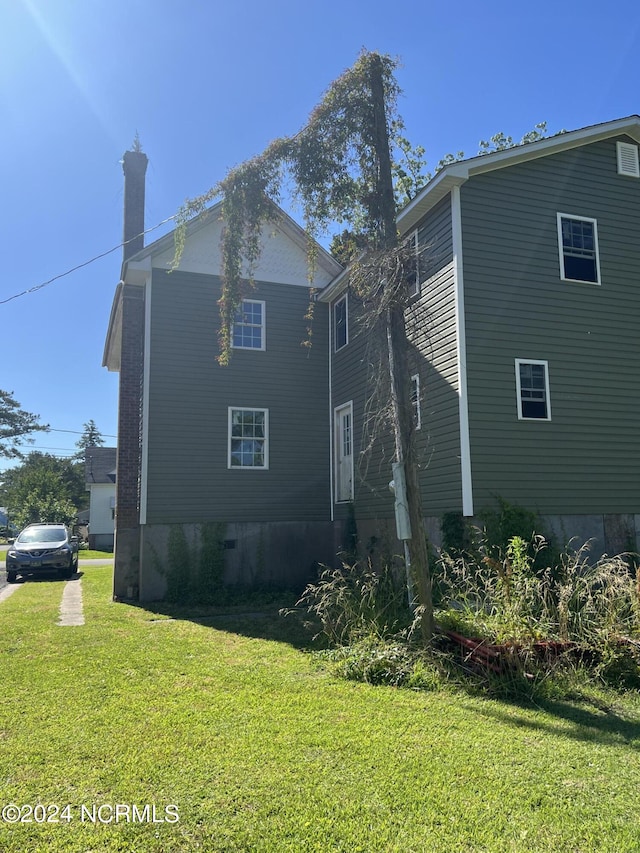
column 137, row 272
column 444, row 182
column 111, row 354
column 458, row 173
column 335, row 287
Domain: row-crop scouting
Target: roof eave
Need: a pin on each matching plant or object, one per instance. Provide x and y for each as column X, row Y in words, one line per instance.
column 111, row 356
column 458, row 173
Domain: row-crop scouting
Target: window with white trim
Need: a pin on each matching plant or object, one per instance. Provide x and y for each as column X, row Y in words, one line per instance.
column 415, row 400
column 628, row 161
column 248, row 438
column 532, row 384
column 340, row 324
column 578, row 247
column 248, row 330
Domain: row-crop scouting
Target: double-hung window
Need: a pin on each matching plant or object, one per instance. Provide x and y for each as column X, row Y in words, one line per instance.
column 532, row 384
column 248, row 438
column 578, row 246
column 249, row 325
column 340, row 324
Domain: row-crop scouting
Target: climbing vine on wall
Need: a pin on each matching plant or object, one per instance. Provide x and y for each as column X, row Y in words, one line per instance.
column 332, row 166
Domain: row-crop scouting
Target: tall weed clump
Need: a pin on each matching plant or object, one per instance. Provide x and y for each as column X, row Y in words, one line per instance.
column 589, row 608
column 364, row 616
column 356, row 600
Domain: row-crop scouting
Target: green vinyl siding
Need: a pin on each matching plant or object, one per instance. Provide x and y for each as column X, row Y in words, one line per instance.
column 432, row 333
column 586, row 459
column 431, row 326
column 189, row 396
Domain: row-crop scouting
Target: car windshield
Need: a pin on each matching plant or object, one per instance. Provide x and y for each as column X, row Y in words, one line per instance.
column 42, row 534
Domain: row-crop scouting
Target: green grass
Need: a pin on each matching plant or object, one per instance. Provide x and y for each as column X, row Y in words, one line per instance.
column 86, row 554
column 260, row 749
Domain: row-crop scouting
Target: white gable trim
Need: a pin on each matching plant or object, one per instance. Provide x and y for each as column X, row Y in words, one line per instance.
column 461, row 348
column 462, row 171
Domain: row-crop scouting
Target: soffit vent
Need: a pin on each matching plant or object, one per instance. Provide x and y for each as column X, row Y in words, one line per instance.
column 628, row 160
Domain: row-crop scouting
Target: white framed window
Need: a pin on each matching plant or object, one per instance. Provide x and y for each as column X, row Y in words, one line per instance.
column 340, row 323
column 415, row 400
column 628, row 162
column 532, row 390
column 578, row 247
column 249, row 327
column 413, row 278
column 248, row 438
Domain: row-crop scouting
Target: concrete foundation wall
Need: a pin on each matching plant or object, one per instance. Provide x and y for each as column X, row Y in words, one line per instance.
column 609, row 533
column 126, row 564
column 286, row 555
column 257, row 555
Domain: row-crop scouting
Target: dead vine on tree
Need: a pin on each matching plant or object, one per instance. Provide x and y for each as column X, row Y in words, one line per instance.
column 332, row 165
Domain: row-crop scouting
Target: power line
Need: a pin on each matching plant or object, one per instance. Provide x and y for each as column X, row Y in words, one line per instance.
column 79, row 432
column 86, row 263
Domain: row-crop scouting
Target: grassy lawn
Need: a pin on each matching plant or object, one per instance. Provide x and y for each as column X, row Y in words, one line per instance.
column 88, row 554
column 259, row 749
column 85, row 554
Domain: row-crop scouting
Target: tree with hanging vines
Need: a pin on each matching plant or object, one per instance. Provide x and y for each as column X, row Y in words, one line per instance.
column 341, row 170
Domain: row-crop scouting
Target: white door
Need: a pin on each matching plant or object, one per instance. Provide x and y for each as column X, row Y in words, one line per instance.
column 344, row 452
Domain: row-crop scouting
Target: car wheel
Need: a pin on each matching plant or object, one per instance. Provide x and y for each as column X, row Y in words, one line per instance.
column 11, row 577
column 65, row 573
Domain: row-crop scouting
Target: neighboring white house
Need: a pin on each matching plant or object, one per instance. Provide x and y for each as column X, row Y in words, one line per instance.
column 100, row 477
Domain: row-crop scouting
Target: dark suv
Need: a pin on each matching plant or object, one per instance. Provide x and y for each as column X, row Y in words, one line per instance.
column 42, row 548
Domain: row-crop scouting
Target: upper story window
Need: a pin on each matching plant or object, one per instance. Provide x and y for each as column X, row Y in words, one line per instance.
column 249, row 325
column 532, row 383
column 248, row 438
column 578, row 245
column 340, row 324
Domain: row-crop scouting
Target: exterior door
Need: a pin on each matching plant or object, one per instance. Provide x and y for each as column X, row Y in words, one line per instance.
column 344, row 452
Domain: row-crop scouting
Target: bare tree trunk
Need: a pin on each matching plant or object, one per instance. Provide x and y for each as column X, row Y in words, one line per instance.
column 397, row 345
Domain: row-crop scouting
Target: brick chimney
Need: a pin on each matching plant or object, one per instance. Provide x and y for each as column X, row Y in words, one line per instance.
column 126, row 582
column 134, row 166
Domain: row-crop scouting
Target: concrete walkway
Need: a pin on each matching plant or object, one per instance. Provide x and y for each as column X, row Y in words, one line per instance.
column 71, row 612
column 71, row 609
column 8, row 590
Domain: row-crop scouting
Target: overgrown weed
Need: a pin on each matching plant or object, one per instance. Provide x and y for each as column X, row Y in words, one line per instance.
column 563, row 630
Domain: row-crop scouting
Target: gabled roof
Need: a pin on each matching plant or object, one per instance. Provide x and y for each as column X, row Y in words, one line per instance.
column 281, row 219
column 457, row 173
column 100, row 465
column 137, row 268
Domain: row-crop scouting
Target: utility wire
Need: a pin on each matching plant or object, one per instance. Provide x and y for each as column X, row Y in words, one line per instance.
column 86, row 263
column 79, row 432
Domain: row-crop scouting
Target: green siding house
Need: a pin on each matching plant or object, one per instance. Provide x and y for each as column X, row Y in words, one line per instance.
column 524, row 321
column 242, row 450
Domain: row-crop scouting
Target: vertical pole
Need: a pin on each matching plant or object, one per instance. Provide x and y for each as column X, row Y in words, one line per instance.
column 397, row 348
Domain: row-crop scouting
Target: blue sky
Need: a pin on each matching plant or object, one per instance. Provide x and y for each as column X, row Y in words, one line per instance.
column 206, row 85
